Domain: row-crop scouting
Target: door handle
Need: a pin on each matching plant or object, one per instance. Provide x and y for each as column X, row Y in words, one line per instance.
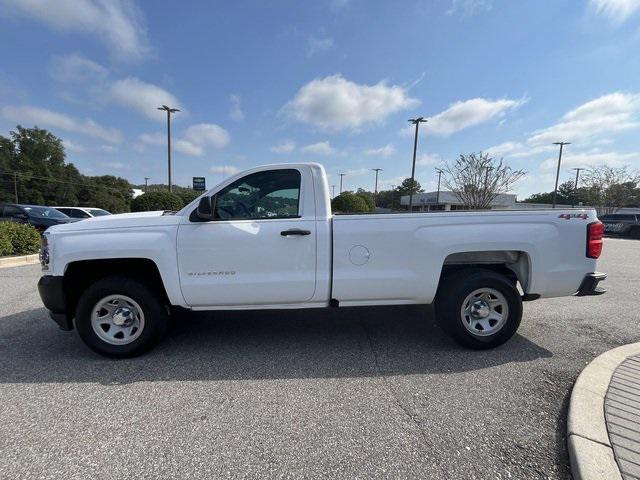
column 295, row 231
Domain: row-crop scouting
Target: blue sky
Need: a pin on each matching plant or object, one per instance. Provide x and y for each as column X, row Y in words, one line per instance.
column 332, row 81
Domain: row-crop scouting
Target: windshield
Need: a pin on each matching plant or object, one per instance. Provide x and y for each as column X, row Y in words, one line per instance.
column 45, row 212
column 98, row 212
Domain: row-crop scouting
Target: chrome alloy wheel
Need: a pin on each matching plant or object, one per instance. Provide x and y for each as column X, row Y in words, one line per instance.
column 117, row 319
column 484, row 312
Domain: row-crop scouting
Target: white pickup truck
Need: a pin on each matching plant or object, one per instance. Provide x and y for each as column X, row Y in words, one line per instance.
column 266, row 238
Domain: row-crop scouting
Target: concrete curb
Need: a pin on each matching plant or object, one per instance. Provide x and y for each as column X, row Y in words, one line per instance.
column 6, row 262
column 587, row 437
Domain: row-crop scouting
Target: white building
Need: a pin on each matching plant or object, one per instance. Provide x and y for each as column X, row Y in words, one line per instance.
column 447, row 201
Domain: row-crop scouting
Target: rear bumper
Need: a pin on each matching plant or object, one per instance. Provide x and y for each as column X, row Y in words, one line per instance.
column 51, row 292
column 589, row 285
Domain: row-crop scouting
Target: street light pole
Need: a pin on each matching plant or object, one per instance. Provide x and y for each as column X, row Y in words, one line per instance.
column 575, row 187
column 555, row 190
column 375, row 191
column 341, row 175
column 416, row 122
column 169, row 112
column 333, row 191
column 438, row 194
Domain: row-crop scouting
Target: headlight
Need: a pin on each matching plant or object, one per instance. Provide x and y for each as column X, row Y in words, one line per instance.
column 44, row 251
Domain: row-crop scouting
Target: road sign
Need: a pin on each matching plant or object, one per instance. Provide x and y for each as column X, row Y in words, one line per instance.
column 199, row 183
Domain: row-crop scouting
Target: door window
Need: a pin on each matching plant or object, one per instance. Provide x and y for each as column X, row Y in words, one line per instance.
column 269, row 194
column 11, row 211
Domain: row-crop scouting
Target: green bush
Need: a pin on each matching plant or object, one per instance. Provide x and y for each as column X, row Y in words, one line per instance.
column 187, row 195
column 18, row 239
column 368, row 199
column 348, row 202
column 151, row 201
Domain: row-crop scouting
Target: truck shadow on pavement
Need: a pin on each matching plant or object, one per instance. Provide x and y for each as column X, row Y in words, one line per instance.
column 276, row 344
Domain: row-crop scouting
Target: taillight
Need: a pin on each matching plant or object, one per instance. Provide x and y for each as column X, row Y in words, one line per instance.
column 595, row 231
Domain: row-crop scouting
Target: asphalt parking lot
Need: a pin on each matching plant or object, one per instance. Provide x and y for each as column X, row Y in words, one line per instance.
column 347, row 393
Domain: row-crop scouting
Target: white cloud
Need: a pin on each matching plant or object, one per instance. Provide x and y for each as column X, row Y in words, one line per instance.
column 320, row 148
column 287, row 146
column 114, row 165
column 144, row 97
column 207, row 134
column 335, row 103
column 108, row 148
column 225, row 170
column 338, row 5
column 385, row 151
column 235, row 112
column 48, row 118
column 194, row 141
column 118, row 23
column 504, row 149
column 616, row 10
column 152, row 138
column 187, row 147
column 73, row 146
column 318, row 45
column 74, row 68
column 612, row 113
column 429, row 159
column 469, row 7
column 468, row 113
column 590, row 159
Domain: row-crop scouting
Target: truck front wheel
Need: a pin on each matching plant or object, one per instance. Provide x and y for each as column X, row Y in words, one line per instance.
column 120, row 317
column 479, row 308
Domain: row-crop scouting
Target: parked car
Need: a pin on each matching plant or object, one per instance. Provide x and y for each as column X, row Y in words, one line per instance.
column 623, row 224
column 38, row 216
column 82, row 212
column 266, row 238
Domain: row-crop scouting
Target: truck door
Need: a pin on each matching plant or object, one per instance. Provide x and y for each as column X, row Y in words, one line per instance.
column 259, row 249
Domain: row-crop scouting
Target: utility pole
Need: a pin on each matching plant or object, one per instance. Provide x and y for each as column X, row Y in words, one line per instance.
column 169, row 112
column 333, row 191
column 146, row 184
column 440, row 172
column 416, row 122
column 575, row 187
column 555, row 190
column 341, row 175
column 375, row 191
column 15, row 185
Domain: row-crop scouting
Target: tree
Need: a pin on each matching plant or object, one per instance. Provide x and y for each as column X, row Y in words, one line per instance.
column 609, row 188
column 566, row 195
column 368, row 197
column 33, row 162
column 476, row 180
column 349, row 202
column 153, row 201
column 408, row 187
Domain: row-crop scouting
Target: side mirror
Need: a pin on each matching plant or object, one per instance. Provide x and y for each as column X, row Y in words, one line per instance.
column 205, row 208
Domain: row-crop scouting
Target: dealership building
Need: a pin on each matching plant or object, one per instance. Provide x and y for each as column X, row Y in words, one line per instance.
column 447, row 201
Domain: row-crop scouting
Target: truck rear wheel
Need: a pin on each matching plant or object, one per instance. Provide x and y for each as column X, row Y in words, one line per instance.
column 479, row 308
column 119, row 317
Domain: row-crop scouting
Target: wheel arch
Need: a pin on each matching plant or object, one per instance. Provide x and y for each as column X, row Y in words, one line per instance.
column 513, row 264
column 82, row 273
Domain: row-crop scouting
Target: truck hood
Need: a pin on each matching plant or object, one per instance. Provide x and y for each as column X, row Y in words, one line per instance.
column 122, row 220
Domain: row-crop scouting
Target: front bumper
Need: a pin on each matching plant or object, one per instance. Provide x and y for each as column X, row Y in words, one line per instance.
column 589, row 285
column 52, row 294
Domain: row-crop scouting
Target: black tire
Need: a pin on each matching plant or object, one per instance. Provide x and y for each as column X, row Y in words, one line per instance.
column 452, row 292
column 156, row 318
